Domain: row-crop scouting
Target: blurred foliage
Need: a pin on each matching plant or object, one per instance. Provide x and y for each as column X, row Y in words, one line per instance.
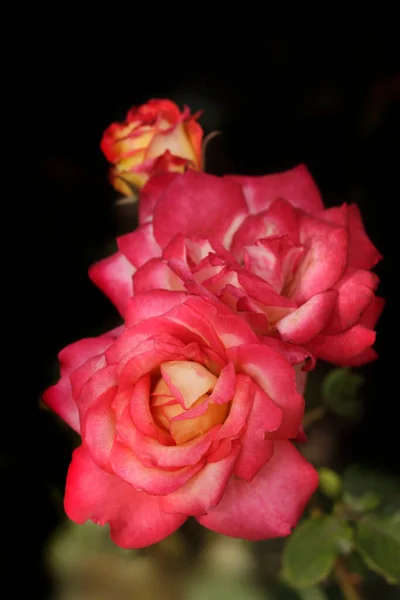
column 340, row 389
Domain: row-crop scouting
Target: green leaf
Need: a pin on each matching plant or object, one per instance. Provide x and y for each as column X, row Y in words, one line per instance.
column 311, row 550
column 340, row 389
column 364, row 489
column 330, row 483
column 378, row 541
column 312, row 593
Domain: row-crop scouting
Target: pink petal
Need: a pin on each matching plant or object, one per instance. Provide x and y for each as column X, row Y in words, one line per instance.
column 362, row 252
column 152, row 480
column 152, row 304
column 372, row 313
column 225, row 387
column 296, row 186
column 156, row 274
column 74, row 355
column 324, row 261
column 59, row 398
column 355, row 294
column 306, row 322
column 367, row 356
column 151, row 193
column 269, row 369
column 264, row 417
column 198, row 204
column 139, row 409
column 139, row 246
column 154, row 454
column 136, row 519
column 113, row 275
column 102, row 380
column 204, row 490
column 81, row 375
column 271, row 504
column 98, row 429
column 341, row 348
column 240, row 408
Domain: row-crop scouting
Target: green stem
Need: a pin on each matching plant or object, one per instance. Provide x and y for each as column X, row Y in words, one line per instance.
column 345, row 583
column 312, row 416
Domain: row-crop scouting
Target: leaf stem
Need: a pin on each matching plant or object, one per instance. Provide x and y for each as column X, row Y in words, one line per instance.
column 345, row 581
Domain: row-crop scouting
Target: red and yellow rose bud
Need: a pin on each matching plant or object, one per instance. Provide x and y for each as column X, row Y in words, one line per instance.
column 155, row 138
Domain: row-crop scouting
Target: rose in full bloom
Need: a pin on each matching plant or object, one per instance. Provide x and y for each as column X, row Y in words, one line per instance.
column 183, row 412
column 267, row 247
column 155, row 138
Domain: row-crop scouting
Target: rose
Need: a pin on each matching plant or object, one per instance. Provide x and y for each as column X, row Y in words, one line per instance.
column 183, row 412
column 264, row 245
column 155, row 138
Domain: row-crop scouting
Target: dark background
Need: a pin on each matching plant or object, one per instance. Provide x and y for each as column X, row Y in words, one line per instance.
column 330, row 100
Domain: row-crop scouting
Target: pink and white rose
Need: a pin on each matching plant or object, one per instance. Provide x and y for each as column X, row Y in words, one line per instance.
column 265, row 246
column 183, row 412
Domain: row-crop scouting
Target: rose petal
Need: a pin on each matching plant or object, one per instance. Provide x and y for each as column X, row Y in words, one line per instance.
column 156, row 274
column 113, row 275
column 306, row 322
column 271, row 504
column 276, row 377
column 204, row 490
column 343, row 347
column 264, row 418
column 155, row 481
column 59, row 398
column 139, row 246
column 98, row 428
column 136, row 519
column 153, row 454
column 198, row 204
column 362, row 252
column 152, row 304
column 295, row 185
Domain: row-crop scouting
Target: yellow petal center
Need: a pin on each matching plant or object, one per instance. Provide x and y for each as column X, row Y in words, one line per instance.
column 183, row 386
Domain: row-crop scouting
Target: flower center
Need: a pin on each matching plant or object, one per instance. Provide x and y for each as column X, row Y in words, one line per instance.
column 180, row 400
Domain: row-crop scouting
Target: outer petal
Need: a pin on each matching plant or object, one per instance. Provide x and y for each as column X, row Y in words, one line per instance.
column 139, row 246
column 307, row 321
column 59, row 398
column 113, row 275
column 75, row 355
column 271, row 504
column 296, row 186
column 150, row 195
column 98, row 428
column 198, row 204
column 355, row 293
column 136, row 519
column 343, row 347
column 362, row 252
column 372, row 313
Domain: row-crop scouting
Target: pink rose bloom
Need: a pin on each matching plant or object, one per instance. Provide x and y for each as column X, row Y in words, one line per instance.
column 263, row 245
column 183, row 412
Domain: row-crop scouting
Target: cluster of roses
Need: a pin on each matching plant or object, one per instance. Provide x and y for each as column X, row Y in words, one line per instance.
column 229, row 289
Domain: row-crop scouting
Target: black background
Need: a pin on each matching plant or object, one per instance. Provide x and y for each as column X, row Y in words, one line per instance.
column 330, row 100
